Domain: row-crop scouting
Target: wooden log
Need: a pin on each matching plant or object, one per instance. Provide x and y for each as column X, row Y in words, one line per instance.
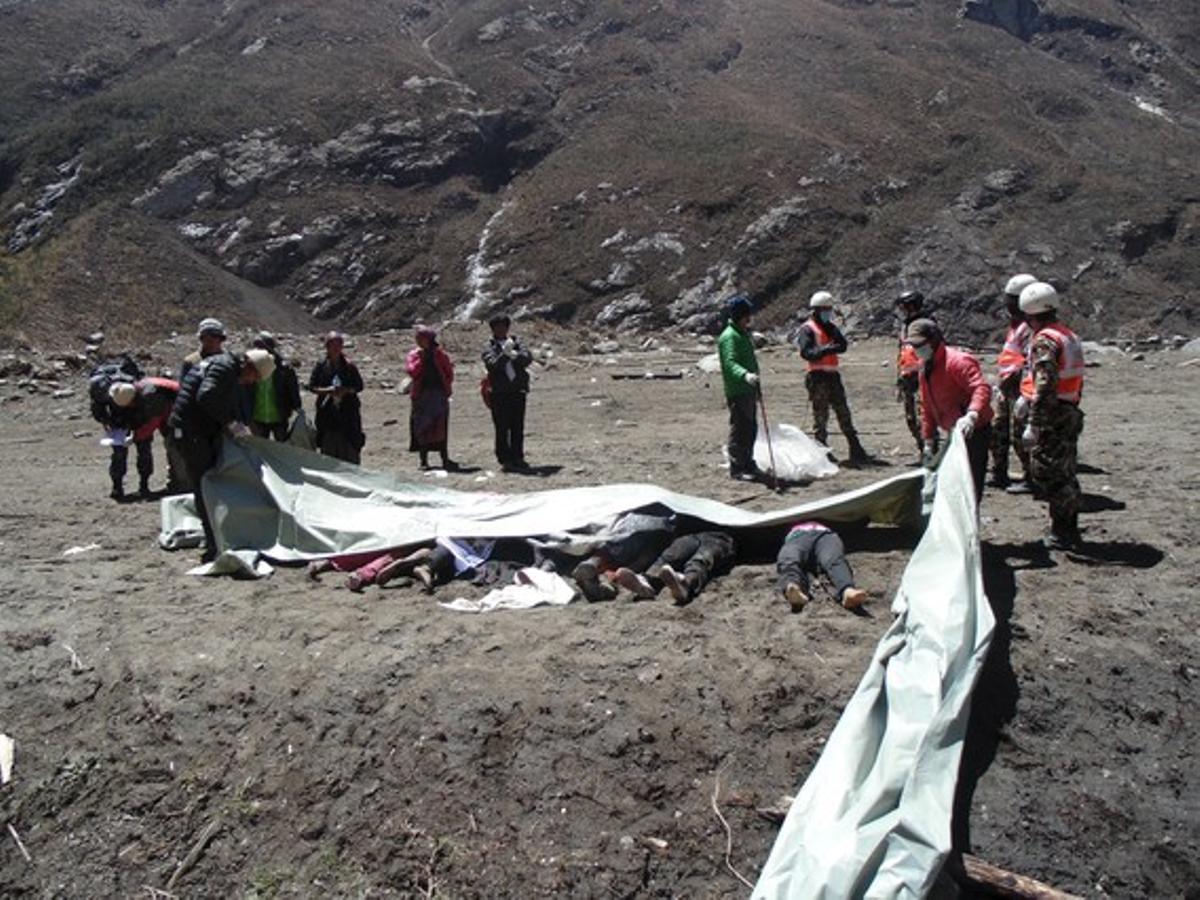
column 1001, row 883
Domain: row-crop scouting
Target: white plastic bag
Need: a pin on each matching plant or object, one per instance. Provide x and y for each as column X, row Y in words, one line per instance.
column 797, row 456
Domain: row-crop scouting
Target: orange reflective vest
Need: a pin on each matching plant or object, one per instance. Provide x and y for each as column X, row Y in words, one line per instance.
column 1070, row 364
column 1012, row 355
column 828, row 362
column 908, row 363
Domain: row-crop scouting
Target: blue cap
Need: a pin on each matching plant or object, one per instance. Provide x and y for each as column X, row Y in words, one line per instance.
column 738, row 306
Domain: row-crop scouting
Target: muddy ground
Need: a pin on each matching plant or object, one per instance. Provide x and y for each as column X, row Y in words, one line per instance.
column 331, row 744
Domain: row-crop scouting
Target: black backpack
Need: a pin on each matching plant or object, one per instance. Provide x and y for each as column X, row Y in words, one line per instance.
column 104, row 376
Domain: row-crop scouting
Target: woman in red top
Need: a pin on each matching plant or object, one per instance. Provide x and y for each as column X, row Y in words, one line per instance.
column 432, row 376
column 954, row 396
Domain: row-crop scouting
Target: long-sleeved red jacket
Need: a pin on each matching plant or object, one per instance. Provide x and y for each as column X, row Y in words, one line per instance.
column 951, row 384
column 415, row 366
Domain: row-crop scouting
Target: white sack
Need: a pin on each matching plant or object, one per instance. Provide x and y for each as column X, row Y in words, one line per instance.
column 797, row 456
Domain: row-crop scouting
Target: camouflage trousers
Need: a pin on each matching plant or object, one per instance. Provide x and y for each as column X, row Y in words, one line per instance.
column 825, row 391
column 1006, row 433
column 910, row 390
column 1052, row 463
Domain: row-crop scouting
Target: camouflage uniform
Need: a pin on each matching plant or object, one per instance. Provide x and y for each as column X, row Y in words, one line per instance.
column 1006, row 430
column 825, row 390
column 1057, row 425
column 909, row 387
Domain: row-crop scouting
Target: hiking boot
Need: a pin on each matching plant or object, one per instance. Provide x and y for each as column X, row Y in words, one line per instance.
column 424, row 574
column 1000, row 481
column 587, row 577
column 677, row 584
column 117, row 492
column 795, row 596
column 144, row 490
column 853, row 598
column 743, row 476
column 1060, row 541
column 1019, row 487
column 634, row 583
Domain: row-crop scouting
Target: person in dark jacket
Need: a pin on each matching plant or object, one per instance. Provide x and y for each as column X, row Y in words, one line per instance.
column 206, row 410
column 274, row 399
column 820, row 343
column 337, row 384
column 507, row 387
column 211, row 335
column 140, row 409
column 432, row 385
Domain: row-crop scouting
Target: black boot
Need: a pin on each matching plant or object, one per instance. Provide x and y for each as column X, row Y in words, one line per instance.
column 144, row 489
column 118, row 491
column 858, row 453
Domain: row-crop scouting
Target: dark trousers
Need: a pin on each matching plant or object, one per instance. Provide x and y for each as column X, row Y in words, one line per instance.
column 810, row 552
column 119, row 463
column 697, row 557
column 910, row 391
column 743, row 431
column 277, row 430
column 340, row 446
column 508, row 417
column 978, row 446
column 200, row 455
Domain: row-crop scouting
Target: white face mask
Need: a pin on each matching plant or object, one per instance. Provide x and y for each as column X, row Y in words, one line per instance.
column 924, row 351
column 824, row 315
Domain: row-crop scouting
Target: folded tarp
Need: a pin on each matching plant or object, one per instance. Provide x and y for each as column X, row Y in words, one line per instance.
column 873, row 818
column 291, row 504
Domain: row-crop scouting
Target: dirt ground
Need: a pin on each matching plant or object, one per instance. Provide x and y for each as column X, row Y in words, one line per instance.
column 306, row 741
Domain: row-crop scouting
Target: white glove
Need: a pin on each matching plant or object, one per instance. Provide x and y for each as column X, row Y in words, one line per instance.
column 1021, row 409
column 509, row 348
column 1029, row 437
column 752, row 379
column 966, row 425
column 237, row 430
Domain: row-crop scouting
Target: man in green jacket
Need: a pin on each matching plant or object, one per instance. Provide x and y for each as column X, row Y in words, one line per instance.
column 739, row 371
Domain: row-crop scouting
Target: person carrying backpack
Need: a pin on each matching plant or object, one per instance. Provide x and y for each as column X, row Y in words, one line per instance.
column 143, row 408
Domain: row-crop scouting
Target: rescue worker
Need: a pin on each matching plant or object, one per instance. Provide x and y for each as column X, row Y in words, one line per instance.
column 1006, row 427
column 275, row 398
column 954, row 396
column 819, row 343
column 141, row 408
column 908, row 367
column 211, row 334
column 506, row 390
column 739, row 373
column 206, row 410
column 1053, row 386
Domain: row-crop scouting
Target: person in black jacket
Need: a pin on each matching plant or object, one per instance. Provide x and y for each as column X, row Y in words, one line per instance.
column 207, row 409
column 507, row 362
column 337, row 384
column 276, row 398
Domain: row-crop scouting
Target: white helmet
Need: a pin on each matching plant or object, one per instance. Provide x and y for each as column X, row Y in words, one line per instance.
column 821, row 300
column 1018, row 283
column 1039, row 298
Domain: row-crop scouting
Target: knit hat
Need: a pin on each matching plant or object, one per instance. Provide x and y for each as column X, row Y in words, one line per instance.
column 122, row 393
column 739, row 306
column 263, row 361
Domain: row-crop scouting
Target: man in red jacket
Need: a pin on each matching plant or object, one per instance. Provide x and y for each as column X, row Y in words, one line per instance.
column 954, row 395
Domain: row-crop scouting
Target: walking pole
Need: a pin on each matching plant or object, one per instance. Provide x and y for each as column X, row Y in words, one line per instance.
column 762, row 405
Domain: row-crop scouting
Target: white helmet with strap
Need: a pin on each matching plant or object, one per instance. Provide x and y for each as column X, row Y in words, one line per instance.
column 821, row 300
column 1018, row 283
column 1039, row 298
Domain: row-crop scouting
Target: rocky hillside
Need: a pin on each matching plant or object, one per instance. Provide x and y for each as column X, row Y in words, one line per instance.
column 605, row 164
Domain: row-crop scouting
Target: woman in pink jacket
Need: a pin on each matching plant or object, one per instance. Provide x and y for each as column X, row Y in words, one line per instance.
column 954, row 396
column 432, row 376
